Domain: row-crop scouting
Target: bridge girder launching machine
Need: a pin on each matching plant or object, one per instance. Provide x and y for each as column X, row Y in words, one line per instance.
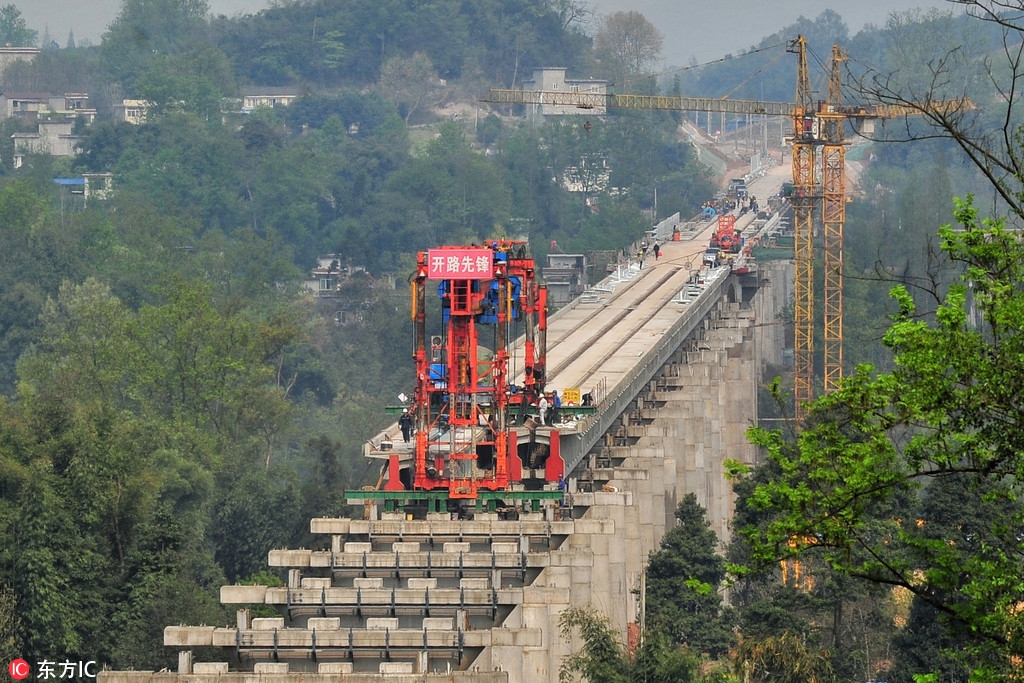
column 465, row 438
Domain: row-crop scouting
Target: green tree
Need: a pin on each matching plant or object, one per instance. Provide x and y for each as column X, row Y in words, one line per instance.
column 9, row 624
column 168, row 579
column 148, row 30
column 781, row 658
column 255, row 512
column 410, row 82
column 332, row 49
column 43, row 533
column 181, row 165
column 949, row 409
column 127, row 423
column 462, row 193
column 22, row 211
column 489, row 129
column 602, row 657
column 13, row 30
column 630, row 43
column 184, row 83
column 825, row 610
column 684, row 579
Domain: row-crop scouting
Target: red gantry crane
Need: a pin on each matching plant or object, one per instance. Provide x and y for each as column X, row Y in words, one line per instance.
column 464, row 401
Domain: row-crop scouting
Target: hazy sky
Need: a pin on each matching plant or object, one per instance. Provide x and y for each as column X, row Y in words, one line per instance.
column 89, row 18
column 701, row 29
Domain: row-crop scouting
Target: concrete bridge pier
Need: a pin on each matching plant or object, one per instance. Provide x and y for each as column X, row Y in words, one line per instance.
column 693, row 414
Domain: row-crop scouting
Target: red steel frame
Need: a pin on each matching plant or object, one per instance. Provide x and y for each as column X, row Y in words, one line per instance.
column 465, row 411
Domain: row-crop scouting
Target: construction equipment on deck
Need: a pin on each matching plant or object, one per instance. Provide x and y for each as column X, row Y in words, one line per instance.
column 818, row 128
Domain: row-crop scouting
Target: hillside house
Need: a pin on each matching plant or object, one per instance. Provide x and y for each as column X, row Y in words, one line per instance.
column 552, row 79
column 73, row 104
column 24, row 105
column 53, row 137
column 566, row 277
column 32, row 106
column 131, row 111
column 98, row 185
column 258, row 96
column 329, row 274
column 11, row 55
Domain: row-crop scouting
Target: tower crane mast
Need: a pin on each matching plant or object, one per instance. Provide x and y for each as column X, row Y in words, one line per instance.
column 818, row 129
column 833, row 216
column 806, row 129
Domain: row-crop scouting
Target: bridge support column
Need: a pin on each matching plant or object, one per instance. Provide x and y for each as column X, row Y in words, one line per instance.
column 694, row 414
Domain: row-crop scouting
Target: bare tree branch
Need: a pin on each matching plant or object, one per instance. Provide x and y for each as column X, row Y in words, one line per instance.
column 992, row 139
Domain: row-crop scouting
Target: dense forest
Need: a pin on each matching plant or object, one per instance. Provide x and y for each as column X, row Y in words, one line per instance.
column 175, row 402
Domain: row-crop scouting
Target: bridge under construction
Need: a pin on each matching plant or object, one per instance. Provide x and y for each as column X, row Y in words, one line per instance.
column 672, row 353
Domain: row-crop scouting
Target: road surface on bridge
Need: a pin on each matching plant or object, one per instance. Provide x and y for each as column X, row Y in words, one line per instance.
column 595, row 341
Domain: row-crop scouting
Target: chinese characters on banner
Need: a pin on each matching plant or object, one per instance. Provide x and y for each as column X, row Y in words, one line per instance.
column 460, row 264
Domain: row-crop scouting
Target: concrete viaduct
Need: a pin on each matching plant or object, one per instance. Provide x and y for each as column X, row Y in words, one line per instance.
column 675, row 355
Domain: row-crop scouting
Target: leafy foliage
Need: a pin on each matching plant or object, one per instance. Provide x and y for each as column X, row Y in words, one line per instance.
column 683, row 582
column 13, row 30
column 782, row 658
column 602, row 658
column 147, row 31
column 630, row 43
column 946, row 414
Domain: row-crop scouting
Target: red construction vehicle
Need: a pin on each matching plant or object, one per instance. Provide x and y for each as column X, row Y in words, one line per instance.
column 727, row 237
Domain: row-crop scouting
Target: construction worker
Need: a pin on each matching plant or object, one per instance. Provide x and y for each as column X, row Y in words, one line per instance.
column 405, row 422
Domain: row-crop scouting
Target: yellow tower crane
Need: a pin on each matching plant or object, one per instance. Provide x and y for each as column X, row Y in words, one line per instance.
column 818, row 127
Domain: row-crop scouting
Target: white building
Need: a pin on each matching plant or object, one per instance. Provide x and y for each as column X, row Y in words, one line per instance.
column 54, row 138
column 552, row 79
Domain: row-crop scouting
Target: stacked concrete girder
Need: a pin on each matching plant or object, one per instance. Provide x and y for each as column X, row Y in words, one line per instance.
column 395, row 597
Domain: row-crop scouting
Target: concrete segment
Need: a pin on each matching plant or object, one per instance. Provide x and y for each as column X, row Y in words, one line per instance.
column 315, row 582
column 188, row 636
column 242, row 595
column 430, row 623
column 381, row 624
column 289, row 558
column 267, row 623
column 324, row 623
column 210, row 668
